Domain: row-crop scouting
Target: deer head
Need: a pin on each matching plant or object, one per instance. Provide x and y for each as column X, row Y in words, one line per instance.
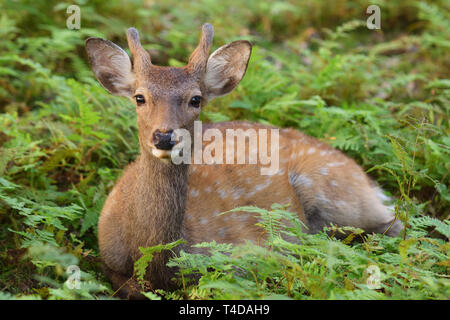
column 167, row 98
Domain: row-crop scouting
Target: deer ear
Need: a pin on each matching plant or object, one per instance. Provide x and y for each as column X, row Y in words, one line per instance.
column 111, row 65
column 226, row 67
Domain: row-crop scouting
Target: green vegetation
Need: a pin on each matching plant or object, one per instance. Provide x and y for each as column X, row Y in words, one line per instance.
column 381, row 96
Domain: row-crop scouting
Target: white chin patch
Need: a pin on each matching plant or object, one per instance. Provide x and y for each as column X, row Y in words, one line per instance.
column 162, row 154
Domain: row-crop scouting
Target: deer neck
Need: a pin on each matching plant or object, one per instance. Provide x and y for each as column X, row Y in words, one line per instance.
column 160, row 206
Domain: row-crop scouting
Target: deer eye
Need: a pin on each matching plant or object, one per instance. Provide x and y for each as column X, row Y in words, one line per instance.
column 195, row 101
column 140, row 100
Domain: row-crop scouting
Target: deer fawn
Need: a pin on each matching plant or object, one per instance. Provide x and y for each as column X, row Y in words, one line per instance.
column 156, row 201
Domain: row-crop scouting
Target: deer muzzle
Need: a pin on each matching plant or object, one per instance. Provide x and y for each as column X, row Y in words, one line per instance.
column 163, row 143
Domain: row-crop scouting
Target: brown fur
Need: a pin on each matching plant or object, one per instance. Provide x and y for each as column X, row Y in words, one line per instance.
column 156, row 201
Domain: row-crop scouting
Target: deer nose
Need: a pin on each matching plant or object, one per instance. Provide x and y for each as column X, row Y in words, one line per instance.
column 163, row 140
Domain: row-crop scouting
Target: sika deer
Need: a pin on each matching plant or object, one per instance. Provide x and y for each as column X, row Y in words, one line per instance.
column 157, row 201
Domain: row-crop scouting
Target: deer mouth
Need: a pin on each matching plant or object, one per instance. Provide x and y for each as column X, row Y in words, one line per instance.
column 161, row 154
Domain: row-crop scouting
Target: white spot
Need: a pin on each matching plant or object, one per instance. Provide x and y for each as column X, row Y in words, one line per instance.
column 262, row 186
column 336, row 164
column 221, row 232
column 251, row 194
column 324, row 171
column 195, row 192
column 259, row 187
column 334, row 183
column 293, row 156
column 237, row 192
column 323, row 152
column 208, row 189
column 311, row 150
column 340, row 203
column 281, row 172
column 243, row 217
column 203, row 221
column 222, row 193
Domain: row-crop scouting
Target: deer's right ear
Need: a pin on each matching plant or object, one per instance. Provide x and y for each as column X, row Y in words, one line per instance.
column 111, row 65
column 226, row 66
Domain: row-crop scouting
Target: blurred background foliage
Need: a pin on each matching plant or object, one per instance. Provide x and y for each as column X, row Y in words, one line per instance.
column 381, row 96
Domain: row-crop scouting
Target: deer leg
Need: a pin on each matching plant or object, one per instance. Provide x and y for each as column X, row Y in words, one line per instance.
column 124, row 286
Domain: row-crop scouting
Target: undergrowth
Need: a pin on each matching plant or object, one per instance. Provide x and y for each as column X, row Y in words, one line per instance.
column 381, row 96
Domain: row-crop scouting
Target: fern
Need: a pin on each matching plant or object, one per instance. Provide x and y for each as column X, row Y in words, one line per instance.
column 140, row 265
column 380, row 96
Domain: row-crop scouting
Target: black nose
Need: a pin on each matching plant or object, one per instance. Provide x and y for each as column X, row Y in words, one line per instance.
column 163, row 140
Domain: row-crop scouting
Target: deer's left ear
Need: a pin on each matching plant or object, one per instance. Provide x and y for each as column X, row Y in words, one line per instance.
column 226, row 67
